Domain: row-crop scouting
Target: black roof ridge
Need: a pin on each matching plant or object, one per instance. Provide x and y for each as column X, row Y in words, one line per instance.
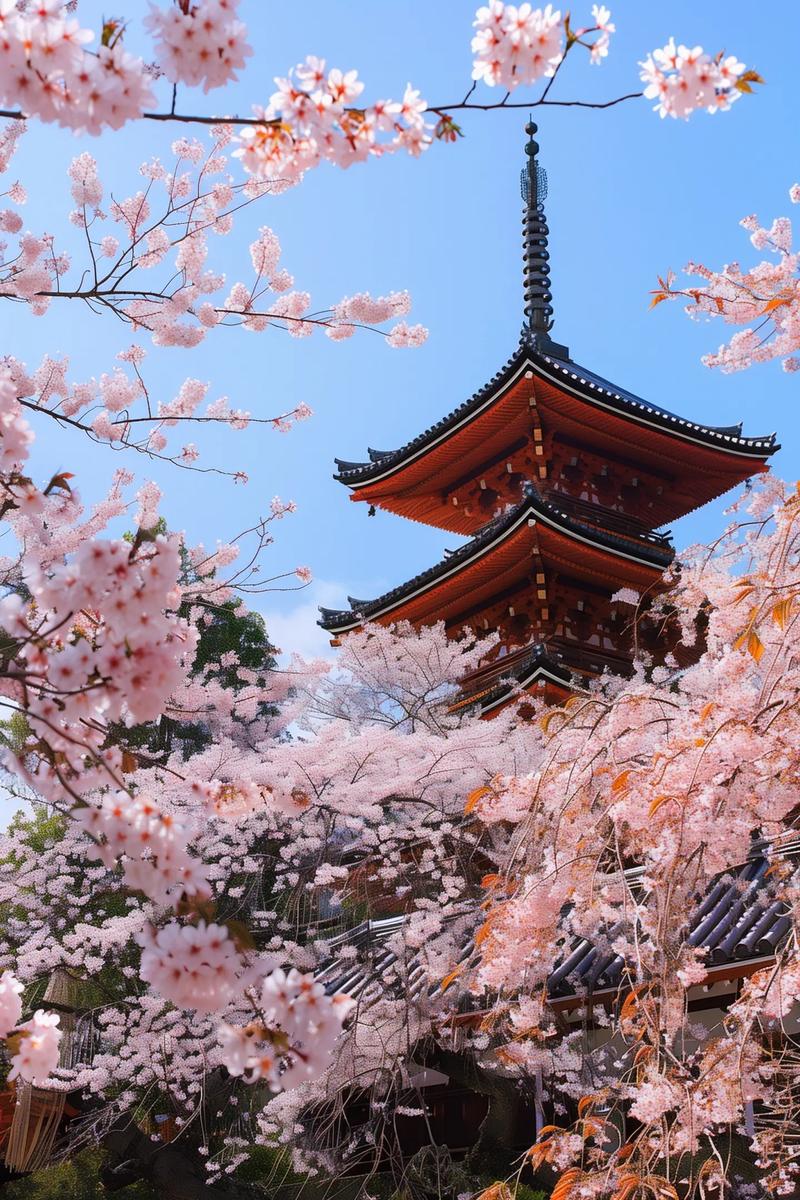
column 536, row 504
column 623, row 401
column 538, row 659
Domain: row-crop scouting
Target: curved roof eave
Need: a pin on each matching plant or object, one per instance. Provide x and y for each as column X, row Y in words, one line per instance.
column 579, row 381
column 534, row 508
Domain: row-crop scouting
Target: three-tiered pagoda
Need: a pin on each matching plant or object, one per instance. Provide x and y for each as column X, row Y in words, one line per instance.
column 562, row 482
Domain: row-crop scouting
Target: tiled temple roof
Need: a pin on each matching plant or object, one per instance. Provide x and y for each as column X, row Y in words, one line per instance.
column 492, row 686
column 588, row 385
column 739, row 921
column 649, row 549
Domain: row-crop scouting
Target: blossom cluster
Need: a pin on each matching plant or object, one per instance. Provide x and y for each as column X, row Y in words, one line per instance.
column 34, row 1043
column 39, row 1048
column 95, row 633
column 292, row 1040
column 199, row 42
column 672, row 771
column 315, row 116
column 199, row 202
column 10, row 1003
column 363, row 309
column 682, row 79
column 45, row 68
column 519, row 44
column 102, row 642
column 194, row 966
column 516, row 45
column 765, row 299
column 153, row 844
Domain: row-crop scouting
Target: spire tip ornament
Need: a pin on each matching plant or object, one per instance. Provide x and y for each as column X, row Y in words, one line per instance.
column 536, row 256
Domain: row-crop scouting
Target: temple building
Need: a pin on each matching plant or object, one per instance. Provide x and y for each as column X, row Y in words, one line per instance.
column 564, row 484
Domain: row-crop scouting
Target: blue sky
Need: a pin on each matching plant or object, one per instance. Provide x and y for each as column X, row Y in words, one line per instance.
column 629, row 196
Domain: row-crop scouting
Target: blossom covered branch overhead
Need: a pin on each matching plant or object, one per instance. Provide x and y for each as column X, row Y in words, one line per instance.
column 49, row 72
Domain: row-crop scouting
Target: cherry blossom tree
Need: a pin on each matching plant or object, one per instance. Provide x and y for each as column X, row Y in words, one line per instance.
column 645, row 795
column 362, row 809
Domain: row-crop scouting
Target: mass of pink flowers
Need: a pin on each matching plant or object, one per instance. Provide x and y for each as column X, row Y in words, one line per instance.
column 683, row 79
column 47, row 70
column 310, row 1020
column 764, row 299
column 519, row 44
column 644, row 794
column 316, row 115
column 199, row 42
column 154, row 272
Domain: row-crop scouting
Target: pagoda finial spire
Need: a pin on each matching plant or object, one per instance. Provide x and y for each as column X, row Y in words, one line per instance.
column 536, row 256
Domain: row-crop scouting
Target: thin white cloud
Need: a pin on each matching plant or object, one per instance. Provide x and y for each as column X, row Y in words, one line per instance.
column 293, row 628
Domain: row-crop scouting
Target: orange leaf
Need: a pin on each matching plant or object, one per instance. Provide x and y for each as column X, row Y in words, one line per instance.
column 629, row 1006
column 474, row 798
column 656, row 805
column 658, row 297
column 483, row 933
column 621, row 781
column 591, row 1127
column 565, row 1184
column 628, row 1184
column 775, row 302
column 781, row 611
column 451, row 978
column 548, row 1129
column 755, row 647
column 706, row 710
column 496, row 1191
column 744, row 592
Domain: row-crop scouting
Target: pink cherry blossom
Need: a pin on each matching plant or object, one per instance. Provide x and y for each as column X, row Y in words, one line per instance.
column 763, row 301
column 200, row 44
column 297, row 1006
column 10, row 1003
column 194, row 966
column 683, row 79
column 38, row 1052
column 516, row 45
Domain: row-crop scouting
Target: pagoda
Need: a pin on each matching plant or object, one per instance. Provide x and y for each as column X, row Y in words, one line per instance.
column 563, row 483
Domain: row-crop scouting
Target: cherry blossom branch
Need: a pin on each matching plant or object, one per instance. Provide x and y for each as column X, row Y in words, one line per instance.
column 439, row 108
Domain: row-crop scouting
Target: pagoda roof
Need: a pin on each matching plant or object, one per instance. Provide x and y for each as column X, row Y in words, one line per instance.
column 647, row 553
column 492, row 687
column 580, row 382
